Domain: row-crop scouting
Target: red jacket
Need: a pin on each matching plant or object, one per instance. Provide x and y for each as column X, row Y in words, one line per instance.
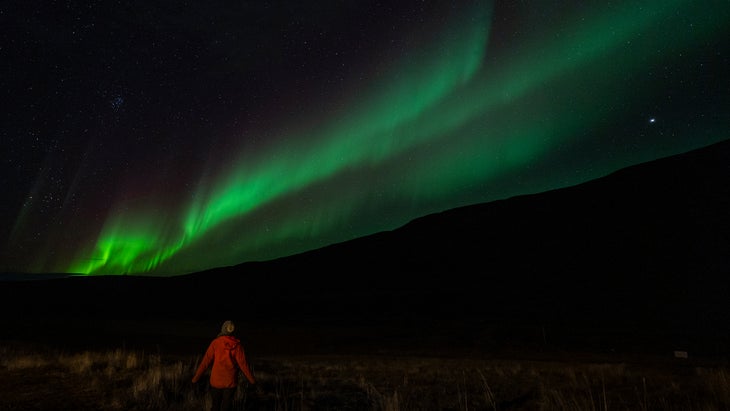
column 227, row 356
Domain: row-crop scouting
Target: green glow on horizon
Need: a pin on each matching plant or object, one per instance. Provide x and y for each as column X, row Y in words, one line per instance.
column 479, row 116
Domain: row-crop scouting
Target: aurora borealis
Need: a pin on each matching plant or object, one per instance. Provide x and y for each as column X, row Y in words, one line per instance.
column 170, row 139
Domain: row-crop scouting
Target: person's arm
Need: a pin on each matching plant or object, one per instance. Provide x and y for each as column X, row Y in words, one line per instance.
column 204, row 363
column 243, row 364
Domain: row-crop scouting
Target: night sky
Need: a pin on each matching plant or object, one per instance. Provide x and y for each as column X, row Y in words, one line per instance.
column 167, row 137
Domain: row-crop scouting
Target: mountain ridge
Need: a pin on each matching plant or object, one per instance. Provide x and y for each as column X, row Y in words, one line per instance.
column 647, row 243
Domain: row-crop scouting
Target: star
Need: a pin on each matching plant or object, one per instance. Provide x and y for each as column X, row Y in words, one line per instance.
column 117, row 102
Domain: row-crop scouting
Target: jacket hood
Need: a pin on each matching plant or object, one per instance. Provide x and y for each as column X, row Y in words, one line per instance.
column 229, row 342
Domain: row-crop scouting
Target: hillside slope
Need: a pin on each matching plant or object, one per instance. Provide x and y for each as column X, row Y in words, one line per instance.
column 645, row 249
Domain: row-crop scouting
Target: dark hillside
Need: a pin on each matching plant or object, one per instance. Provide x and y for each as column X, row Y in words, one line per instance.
column 646, row 249
column 651, row 241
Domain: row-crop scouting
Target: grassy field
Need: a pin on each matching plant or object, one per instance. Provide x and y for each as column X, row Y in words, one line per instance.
column 37, row 378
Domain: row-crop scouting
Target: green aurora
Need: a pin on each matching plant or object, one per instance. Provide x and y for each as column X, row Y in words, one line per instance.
column 444, row 125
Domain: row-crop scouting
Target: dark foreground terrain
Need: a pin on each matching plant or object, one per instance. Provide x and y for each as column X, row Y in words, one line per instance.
column 108, row 364
column 344, row 358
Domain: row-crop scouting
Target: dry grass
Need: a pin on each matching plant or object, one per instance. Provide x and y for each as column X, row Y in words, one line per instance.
column 131, row 380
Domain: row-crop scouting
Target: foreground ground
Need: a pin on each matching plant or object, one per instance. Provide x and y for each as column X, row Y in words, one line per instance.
column 132, row 380
column 147, row 365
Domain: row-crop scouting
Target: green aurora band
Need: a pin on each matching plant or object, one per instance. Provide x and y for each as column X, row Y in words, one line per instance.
column 446, row 126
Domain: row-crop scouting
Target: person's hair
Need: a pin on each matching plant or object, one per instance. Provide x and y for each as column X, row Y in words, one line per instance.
column 227, row 328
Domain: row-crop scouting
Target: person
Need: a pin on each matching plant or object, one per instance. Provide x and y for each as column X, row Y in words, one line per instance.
column 226, row 355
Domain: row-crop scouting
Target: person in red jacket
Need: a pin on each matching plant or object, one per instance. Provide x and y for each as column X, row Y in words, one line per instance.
column 226, row 354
